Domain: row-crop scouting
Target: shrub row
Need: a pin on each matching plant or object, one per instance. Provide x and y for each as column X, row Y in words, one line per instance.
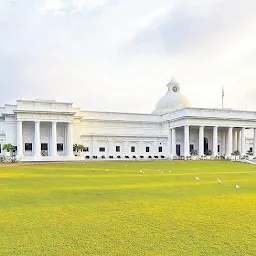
column 111, row 157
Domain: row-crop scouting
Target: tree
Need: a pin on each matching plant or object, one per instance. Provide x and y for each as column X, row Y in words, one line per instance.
column 236, row 153
column 208, row 153
column 9, row 148
column 78, row 148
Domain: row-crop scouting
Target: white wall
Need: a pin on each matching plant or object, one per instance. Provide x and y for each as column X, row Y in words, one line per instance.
column 11, row 130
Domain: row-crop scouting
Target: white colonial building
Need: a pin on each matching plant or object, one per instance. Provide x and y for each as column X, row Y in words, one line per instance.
column 46, row 130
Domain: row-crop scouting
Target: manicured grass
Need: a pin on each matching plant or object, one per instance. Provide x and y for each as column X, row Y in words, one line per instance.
column 69, row 209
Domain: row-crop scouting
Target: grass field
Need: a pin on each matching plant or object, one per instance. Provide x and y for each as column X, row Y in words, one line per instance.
column 69, row 209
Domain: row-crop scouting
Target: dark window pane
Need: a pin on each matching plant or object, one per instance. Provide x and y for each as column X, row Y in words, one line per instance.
column 44, row 146
column 102, row 149
column 132, row 149
column 86, row 149
column 28, row 146
column 60, row 147
column 147, row 149
column 117, row 148
column 160, row 149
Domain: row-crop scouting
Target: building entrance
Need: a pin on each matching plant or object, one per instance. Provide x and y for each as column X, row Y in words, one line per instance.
column 44, row 149
column 206, row 145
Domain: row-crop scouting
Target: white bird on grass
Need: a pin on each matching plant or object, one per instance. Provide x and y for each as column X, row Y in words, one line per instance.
column 197, row 178
column 170, row 171
column 106, row 170
column 158, row 171
column 93, row 169
column 141, row 171
column 219, row 180
column 83, row 162
column 237, row 186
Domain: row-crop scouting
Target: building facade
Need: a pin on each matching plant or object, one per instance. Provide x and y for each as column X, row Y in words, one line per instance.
column 46, row 130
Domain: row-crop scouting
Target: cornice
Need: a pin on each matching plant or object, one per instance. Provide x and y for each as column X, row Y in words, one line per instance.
column 71, row 113
column 124, row 135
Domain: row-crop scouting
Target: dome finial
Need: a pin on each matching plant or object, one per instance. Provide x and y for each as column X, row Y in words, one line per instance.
column 172, row 83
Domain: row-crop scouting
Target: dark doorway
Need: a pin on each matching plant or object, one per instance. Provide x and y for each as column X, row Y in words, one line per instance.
column 44, row 149
column 178, row 150
column 191, row 148
column 206, row 145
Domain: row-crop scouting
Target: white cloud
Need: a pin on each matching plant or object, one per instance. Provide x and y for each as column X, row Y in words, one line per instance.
column 118, row 55
column 73, row 6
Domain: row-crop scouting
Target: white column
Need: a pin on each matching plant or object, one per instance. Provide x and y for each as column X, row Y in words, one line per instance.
column 19, row 139
column 54, row 139
column 186, row 141
column 173, row 131
column 235, row 144
column 239, row 140
column 37, row 140
column 254, row 143
column 243, row 142
column 169, row 144
column 226, row 143
column 230, row 144
column 70, row 139
column 215, row 141
column 223, row 150
column 201, row 141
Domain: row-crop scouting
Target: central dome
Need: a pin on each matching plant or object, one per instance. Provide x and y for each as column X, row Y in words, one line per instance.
column 173, row 100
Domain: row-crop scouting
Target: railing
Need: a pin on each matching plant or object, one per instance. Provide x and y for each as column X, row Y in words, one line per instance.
column 44, row 152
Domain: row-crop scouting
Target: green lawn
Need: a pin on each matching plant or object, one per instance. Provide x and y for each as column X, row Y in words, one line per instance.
column 69, row 209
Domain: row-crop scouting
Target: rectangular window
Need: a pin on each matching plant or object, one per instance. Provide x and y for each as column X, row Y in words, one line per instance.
column 133, row 149
column 191, row 148
column 44, row 146
column 0, row 148
column 101, row 149
column 28, row 146
column 160, row 149
column 218, row 148
column 117, row 148
column 86, row 149
column 60, row 147
column 147, row 149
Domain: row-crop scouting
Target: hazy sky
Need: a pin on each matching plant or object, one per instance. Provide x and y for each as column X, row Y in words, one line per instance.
column 118, row 55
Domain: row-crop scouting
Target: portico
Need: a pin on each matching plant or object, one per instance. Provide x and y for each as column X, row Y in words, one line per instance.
column 44, row 134
column 44, row 141
column 224, row 140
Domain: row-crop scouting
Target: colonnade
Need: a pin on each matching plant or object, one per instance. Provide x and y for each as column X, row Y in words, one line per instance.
column 233, row 139
column 37, row 139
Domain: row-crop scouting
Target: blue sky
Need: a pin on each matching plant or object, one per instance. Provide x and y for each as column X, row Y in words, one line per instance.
column 118, row 55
